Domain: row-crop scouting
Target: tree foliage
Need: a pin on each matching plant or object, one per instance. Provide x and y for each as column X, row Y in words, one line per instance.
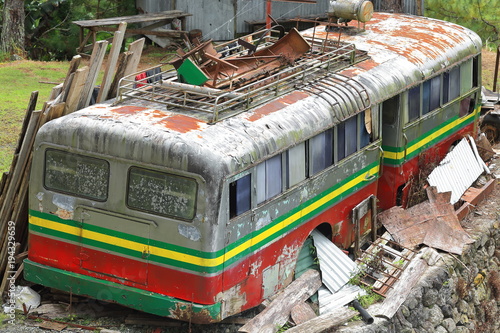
column 50, row 31
column 481, row 16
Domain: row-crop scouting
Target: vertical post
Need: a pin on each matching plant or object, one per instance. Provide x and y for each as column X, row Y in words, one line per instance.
column 268, row 13
column 495, row 78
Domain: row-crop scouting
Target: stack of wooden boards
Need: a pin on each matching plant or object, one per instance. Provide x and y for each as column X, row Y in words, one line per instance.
column 73, row 94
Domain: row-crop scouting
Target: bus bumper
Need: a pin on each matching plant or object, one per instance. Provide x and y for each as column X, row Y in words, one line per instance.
column 135, row 298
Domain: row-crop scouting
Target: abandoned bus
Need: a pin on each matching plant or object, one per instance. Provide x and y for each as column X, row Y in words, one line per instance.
column 193, row 201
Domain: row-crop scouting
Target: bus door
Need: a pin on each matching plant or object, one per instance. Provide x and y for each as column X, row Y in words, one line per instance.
column 114, row 245
column 363, row 219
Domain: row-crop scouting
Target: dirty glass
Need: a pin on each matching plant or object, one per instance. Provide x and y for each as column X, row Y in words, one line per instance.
column 162, row 193
column 414, row 103
column 435, row 92
column 75, row 174
column 268, row 178
column 454, row 83
column 321, row 147
column 239, row 196
column 365, row 137
column 351, row 137
column 296, row 164
column 465, row 77
column 340, row 141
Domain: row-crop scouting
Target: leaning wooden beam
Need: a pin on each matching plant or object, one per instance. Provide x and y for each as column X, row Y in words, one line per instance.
column 122, row 64
column 411, row 275
column 95, row 66
column 277, row 313
column 112, row 59
column 75, row 89
column 16, row 180
column 136, row 49
column 325, row 322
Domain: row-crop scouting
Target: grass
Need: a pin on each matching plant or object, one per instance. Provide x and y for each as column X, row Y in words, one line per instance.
column 19, row 79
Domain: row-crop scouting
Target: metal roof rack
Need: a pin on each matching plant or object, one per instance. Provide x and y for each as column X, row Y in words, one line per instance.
column 324, row 58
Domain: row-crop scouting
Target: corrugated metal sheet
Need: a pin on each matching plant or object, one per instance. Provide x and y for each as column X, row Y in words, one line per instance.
column 329, row 301
column 457, row 171
column 223, row 19
column 336, row 267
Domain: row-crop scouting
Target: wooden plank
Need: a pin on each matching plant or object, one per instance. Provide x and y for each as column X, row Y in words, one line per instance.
column 325, row 322
column 56, row 111
column 169, row 14
column 301, row 313
column 122, row 64
column 411, row 275
column 112, row 60
column 95, row 66
column 73, row 66
column 77, row 85
column 277, row 313
column 136, row 48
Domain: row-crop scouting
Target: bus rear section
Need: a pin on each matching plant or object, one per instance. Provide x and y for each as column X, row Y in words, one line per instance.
column 122, row 230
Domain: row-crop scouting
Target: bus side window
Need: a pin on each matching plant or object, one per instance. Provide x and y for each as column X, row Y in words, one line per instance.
column 268, row 179
column 414, row 103
column 296, row 164
column 465, row 77
column 240, row 196
column 365, row 129
column 475, row 71
column 454, row 83
column 321, row 147
column 351, row 138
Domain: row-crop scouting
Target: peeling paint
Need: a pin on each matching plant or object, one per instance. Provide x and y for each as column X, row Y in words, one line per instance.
column 65, row 206
column 232, row 301
column 39, row 196
column 190, row 232
column 254, row 267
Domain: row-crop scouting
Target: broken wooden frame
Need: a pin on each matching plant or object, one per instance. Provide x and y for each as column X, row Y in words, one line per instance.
column 382, row 263
column 156, row 20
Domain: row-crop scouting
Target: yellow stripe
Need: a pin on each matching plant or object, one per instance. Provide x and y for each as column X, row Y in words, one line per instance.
column 427, row 139
column 205, row 262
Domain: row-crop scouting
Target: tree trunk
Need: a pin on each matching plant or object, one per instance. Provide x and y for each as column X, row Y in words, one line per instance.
column 12, row 37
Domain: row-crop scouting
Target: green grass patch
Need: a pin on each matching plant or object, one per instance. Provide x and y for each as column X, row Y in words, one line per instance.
column 19, row 79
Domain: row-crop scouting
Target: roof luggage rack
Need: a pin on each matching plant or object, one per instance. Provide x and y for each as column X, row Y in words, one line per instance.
column 239, row 75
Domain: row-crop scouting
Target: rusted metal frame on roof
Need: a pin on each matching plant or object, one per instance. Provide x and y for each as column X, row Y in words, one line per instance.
column 250, row 95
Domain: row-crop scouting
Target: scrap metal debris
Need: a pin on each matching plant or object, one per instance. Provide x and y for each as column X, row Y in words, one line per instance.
column 382, row 264
column 458, row 170
column 433, row 223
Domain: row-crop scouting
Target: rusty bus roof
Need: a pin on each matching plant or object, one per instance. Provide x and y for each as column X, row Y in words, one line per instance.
column 403, row 51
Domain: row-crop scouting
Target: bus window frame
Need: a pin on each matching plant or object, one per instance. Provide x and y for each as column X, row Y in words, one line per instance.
column 81, row 154
column 168, row 172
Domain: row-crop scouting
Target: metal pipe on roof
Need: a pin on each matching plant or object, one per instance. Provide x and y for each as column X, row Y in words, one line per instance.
column 202, row 90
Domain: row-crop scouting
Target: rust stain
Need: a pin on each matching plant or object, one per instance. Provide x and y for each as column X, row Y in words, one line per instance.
column 128, row 109
column 277, row 105
column 184, row 312
column 181, row 123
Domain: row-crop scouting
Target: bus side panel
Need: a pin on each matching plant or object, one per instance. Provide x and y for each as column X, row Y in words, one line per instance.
column 393, row 177
column 272, row 267
column 162, row 280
